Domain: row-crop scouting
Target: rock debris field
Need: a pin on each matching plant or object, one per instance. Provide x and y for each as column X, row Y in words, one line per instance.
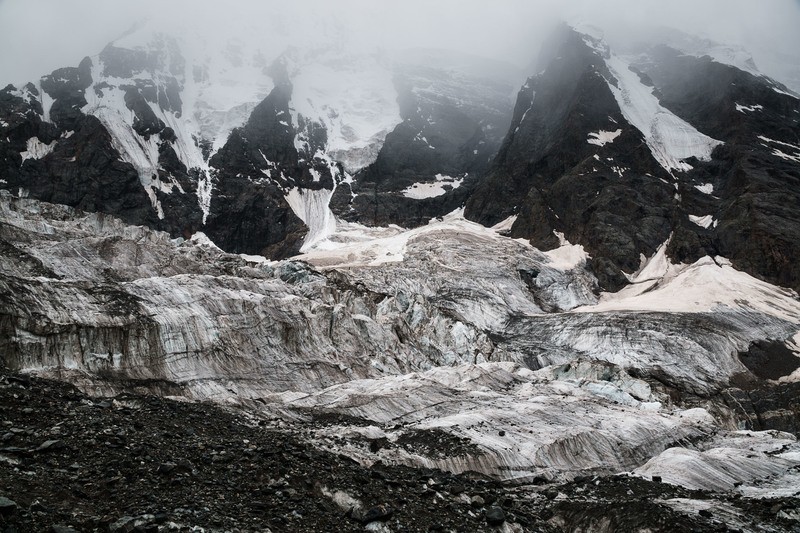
column 138, row 463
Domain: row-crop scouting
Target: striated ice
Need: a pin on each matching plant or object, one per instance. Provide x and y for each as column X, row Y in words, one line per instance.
column 464, row 332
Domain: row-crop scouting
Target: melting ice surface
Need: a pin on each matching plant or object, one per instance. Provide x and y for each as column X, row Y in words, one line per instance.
column 450, row 344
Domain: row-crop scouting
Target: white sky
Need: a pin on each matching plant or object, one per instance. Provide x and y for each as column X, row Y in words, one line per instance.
column 37, row 36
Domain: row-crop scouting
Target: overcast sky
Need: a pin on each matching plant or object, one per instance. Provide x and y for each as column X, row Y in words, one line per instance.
column 37, row 36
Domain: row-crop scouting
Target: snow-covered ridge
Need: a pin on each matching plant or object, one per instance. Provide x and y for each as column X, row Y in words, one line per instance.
column 352, row 96
column 110, row 108
column 735, row 56
column 705, row 285
column 670, row 138
column 224, row 77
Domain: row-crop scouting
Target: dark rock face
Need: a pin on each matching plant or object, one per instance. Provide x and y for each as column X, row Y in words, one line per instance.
column 83, row 169
column 249, row 214
column 495, row 516
column 763, row 408
column 145, row 121
column 770, row 360
column 124, row 63
column 608, row 198
column 756, row 192
column 66, row 86
column 612, row 197
column 255, row 169
column 452, row 126
column 616, row 200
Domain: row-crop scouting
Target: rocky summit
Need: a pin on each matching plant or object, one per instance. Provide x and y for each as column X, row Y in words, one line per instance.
column 248, row 286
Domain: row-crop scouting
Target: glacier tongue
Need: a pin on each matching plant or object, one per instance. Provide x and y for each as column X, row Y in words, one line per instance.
column 556, row 423
column 519, row 423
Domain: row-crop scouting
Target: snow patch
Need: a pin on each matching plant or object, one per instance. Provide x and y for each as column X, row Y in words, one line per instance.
column 655, row 267
column 779, row 91
column 201, row 239
column 780, row 153
column 743, row 108
column 601, row 138
column 420, row 191
column 703, row 221
column 47, row 103
column 706, row 188
column 36, row 149
column 788, row 145
column 703, row 286
column 567, row 256
column 505, row 225
column 258, row 259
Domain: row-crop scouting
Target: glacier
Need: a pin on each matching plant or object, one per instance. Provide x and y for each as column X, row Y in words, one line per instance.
column 455, row 329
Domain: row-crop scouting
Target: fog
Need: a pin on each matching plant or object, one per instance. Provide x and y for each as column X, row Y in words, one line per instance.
column 39, row 36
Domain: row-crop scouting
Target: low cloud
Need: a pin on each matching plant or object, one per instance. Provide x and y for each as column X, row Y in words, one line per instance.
column 39, row 36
